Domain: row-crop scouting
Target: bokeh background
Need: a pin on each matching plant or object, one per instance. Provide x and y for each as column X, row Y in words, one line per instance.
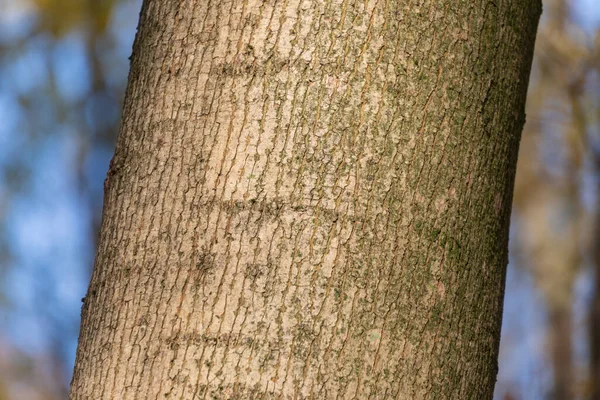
column 63, row 71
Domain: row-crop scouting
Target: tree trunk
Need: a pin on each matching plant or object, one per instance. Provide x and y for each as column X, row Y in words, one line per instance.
column 309, row 199
column 560, row 323
column 594, row 313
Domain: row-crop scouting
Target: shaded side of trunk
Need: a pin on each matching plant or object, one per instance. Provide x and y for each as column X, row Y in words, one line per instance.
column 309, row 199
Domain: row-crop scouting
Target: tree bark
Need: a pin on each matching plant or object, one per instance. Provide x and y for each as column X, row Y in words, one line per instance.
column 309, row 199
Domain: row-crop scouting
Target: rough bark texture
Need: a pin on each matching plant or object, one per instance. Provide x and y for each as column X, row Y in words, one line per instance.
column 309, row 199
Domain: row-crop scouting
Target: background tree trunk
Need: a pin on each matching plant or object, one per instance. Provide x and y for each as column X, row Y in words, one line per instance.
column 309, row 199
column 594, row 314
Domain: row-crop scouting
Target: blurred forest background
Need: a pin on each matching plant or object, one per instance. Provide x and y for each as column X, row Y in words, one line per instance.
column 63, row 71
